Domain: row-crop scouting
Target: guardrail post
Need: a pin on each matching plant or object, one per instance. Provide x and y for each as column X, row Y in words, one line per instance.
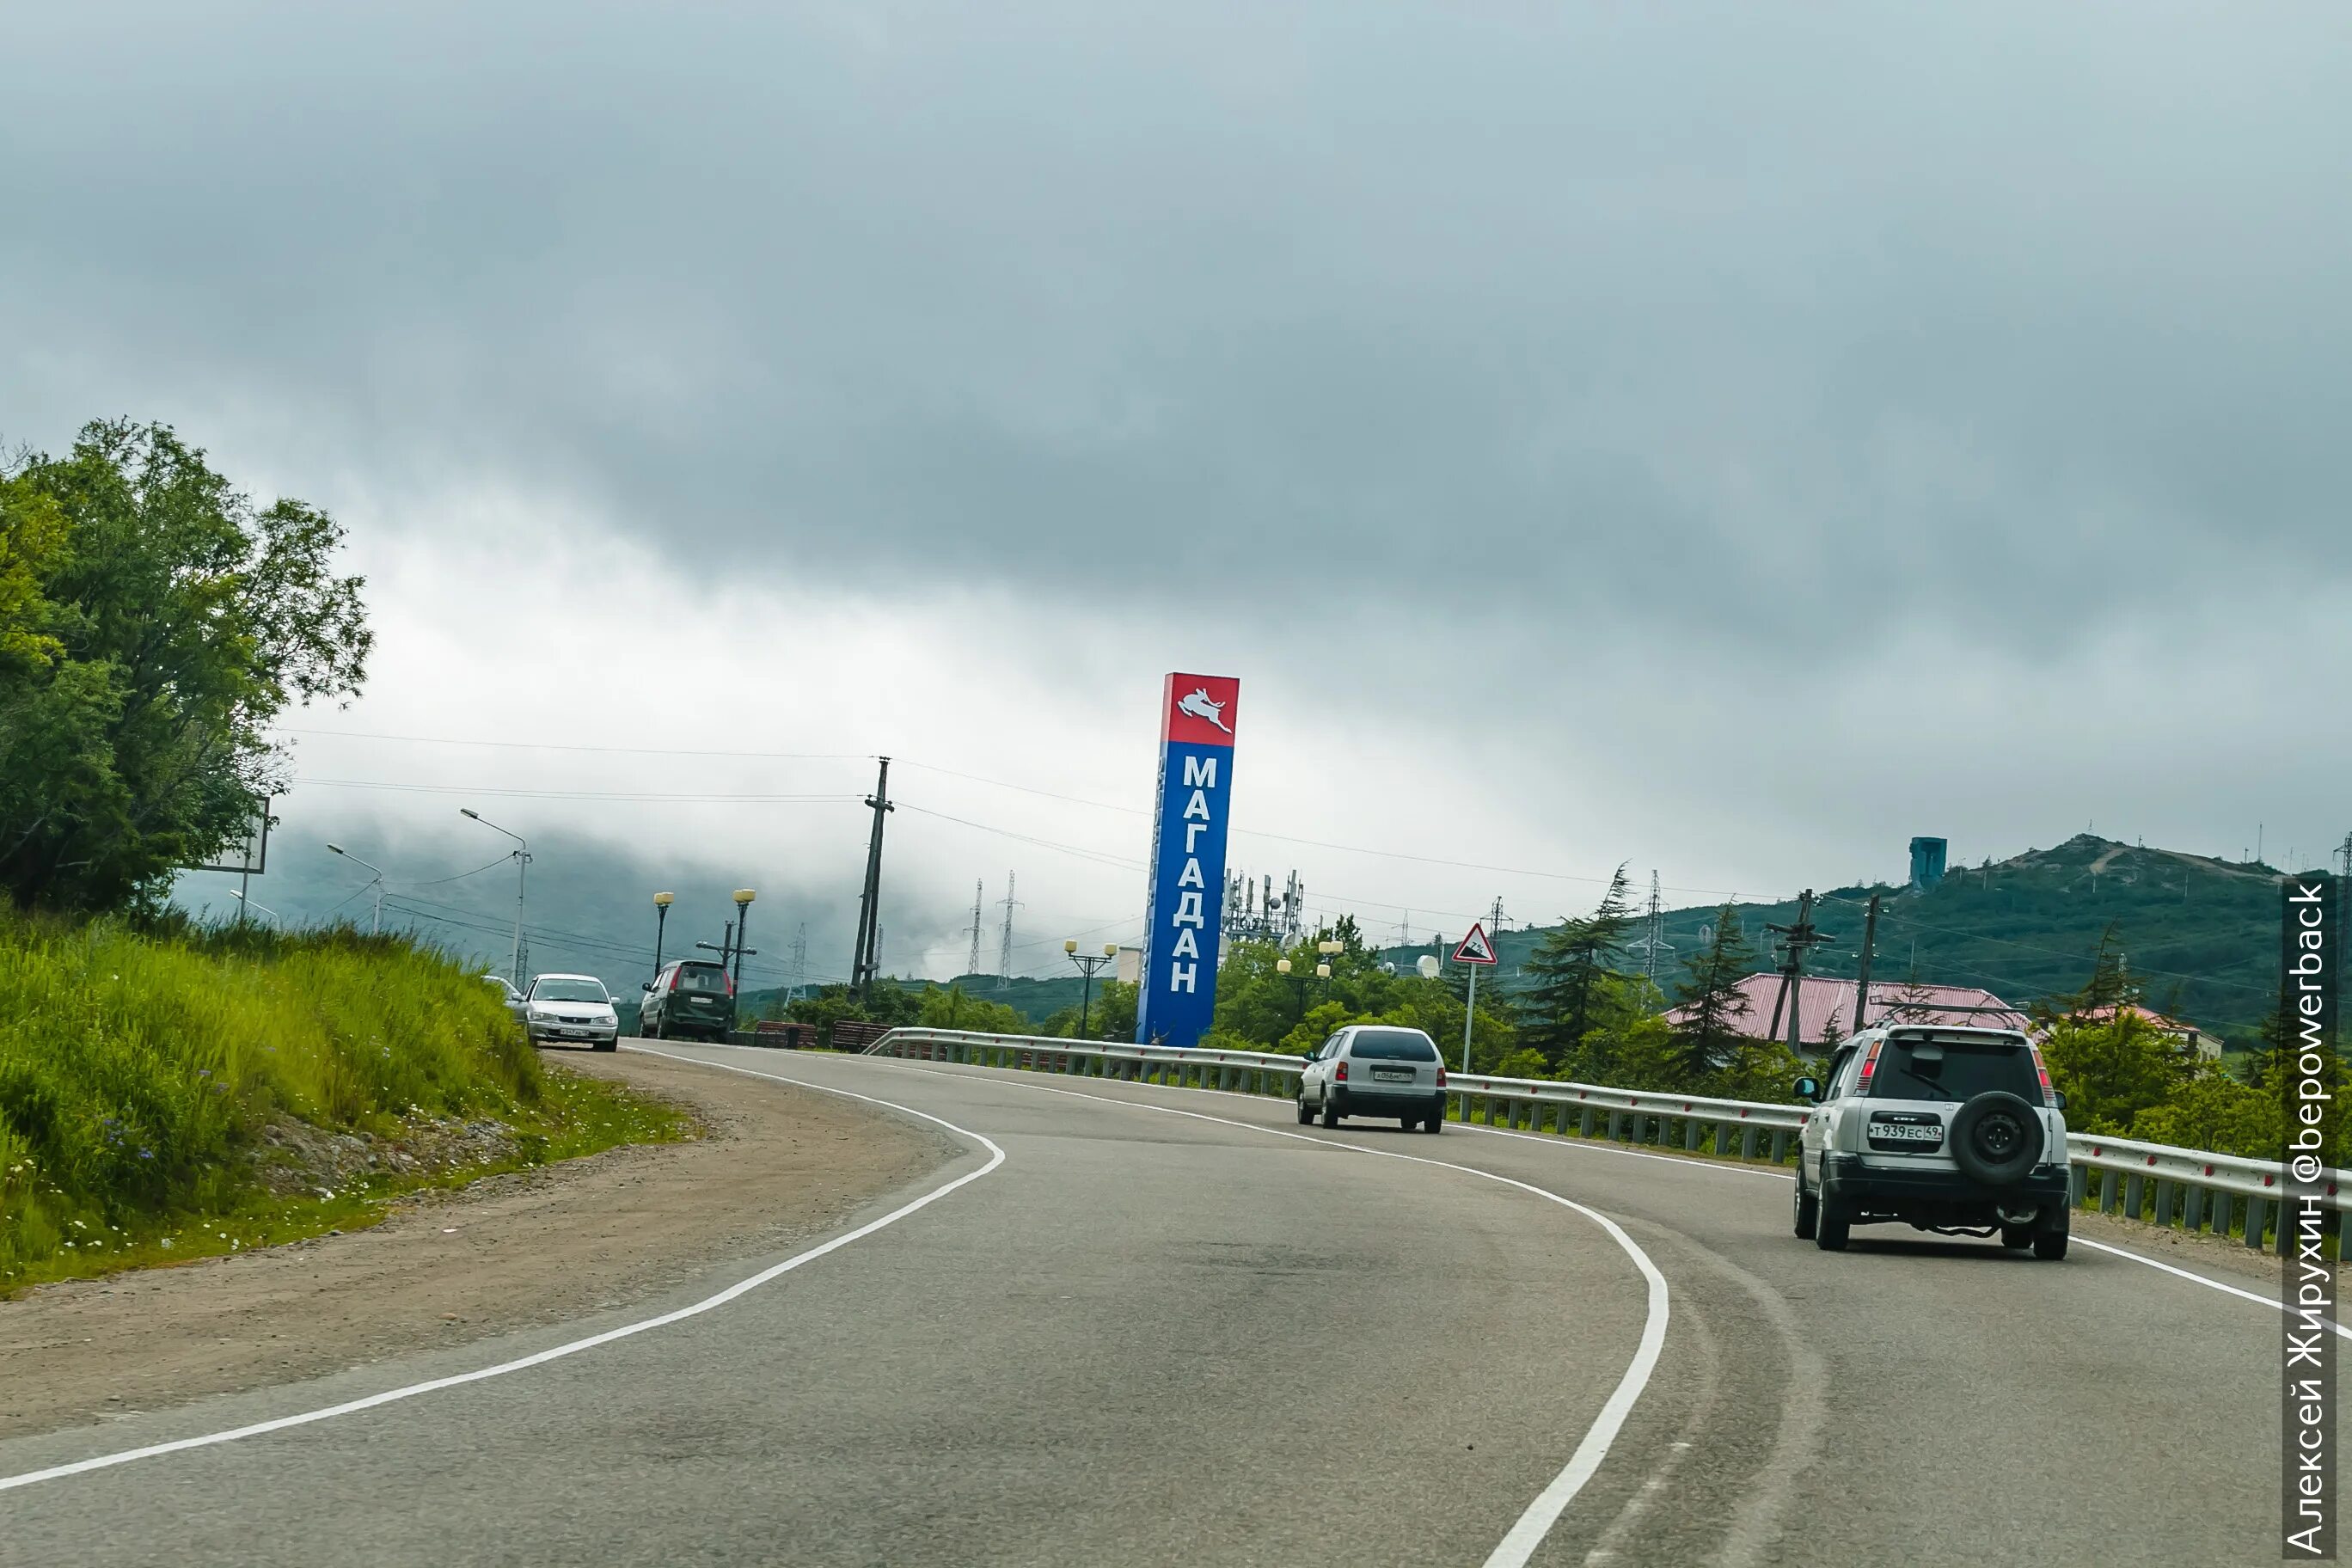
column 1690, row 1133
column 1614, row 1118
column 2078, row 1180
column 2134, row 1189
column 2107, row 1192
column 2163, row 1202
column 2256, row 1222
column 1584, row 1123
column 1723, row 1137
column 1747, row 1142
column 1780, row 1144
column 2192, row 1208
column 2220, row 1216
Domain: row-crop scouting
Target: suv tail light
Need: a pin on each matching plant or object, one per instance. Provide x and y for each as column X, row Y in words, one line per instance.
column 1869, row 1066
column 1340, row 1073
column 2049, row 1094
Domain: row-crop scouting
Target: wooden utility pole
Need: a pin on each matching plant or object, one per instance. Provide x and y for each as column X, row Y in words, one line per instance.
column 1795, row 940
column 1862, row 986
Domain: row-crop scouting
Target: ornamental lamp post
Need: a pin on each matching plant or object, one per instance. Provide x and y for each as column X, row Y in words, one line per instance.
column 1297, row 983
column 743, row 896
column 1327, row 949
column 1088, row 964
column 662, row 903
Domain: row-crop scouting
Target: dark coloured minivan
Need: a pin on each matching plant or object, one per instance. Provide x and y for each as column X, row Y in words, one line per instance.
column 692, row 999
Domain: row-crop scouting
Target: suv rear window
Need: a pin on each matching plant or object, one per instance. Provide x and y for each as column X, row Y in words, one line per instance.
column 1954, row 1069
column 701, row 977
column 1391, row 1046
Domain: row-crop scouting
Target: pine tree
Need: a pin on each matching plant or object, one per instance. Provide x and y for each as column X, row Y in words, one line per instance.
column 1714, row 1010
column 1568, row 967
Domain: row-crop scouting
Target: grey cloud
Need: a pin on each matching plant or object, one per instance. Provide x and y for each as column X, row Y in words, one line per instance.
column 1695, row 335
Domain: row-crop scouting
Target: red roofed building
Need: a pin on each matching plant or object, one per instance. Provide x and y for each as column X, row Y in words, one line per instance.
column 1822, row 1001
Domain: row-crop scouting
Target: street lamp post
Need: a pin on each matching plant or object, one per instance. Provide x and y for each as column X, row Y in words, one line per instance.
column 1088, row 964
column 375, row 927
column 522, row 870
column 662, row 903
column 1327, row 950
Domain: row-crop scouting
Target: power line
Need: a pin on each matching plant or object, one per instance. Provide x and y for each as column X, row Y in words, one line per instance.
column 640, row 797
column 555, row 746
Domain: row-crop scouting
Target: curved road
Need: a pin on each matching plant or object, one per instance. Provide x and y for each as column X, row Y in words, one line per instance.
column 1145, row 1325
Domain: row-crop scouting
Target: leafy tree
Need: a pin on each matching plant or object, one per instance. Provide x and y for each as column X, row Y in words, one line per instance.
column 954, row 1008
column 2112, row 1070
column 1110, row 1018
column 892, row 1004
column 152, row 623
column 1714, row 1013
column 2213, row 1111
column 1568, row 966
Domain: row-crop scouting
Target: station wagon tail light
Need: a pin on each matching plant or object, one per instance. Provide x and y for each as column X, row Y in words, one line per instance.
column 1441, row 1078
column 1340, row 1073
column 2041, row 1070
column 1869, row 1066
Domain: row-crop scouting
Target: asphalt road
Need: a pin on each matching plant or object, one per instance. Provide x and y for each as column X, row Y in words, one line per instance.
column 1142, row 1337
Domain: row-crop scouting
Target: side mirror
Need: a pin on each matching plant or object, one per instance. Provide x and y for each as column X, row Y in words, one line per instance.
column 1809, row 1089
column 647, row 986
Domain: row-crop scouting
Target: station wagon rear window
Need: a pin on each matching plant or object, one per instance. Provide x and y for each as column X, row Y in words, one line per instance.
column 1393, row 1046
column 1954, row 1069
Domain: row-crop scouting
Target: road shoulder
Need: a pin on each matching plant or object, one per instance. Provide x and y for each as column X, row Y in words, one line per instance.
column 777, row 1165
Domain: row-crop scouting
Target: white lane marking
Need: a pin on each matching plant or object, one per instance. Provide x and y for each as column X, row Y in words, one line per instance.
column 1520, row 1544
column 350, row 1408
column 2192, row 1275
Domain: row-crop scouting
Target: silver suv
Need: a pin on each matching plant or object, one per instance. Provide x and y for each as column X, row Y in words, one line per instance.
column 1375, row 1070
column 1953, row 1131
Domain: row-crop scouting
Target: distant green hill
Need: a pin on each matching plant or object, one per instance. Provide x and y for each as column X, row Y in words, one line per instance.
column 2201, row 935
column 1036, row 1000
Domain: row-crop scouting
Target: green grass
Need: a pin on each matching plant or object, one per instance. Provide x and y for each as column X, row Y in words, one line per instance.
column 138, row 1073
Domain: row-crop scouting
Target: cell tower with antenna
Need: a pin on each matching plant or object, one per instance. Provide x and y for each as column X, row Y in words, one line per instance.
column 1004, row 942
column 971, row 964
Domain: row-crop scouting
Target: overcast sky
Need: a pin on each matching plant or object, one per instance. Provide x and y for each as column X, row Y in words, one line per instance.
column 1731, row 440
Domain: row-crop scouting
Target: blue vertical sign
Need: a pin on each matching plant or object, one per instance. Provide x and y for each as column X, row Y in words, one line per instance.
column 1184, row 917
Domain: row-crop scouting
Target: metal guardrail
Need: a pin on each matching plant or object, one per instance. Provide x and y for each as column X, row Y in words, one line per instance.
column 2191, row 1188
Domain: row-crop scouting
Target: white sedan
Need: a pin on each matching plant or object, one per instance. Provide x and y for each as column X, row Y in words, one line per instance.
column 572, row 1008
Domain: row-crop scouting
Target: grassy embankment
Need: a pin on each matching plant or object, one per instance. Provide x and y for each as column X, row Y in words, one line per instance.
column 165, row 1097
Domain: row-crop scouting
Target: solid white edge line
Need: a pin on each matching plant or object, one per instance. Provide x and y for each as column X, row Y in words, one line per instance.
column 1518, row 1544
column 350, row 1408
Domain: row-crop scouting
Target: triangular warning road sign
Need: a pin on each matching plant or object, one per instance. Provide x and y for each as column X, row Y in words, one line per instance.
column 1476, row 948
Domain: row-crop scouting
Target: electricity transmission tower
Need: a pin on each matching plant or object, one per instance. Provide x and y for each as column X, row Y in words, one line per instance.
column 971, row 964
column 1653, row 946
column 799, row 960
column 1004, row 943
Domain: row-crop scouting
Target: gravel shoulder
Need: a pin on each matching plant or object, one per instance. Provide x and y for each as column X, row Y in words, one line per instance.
column 776, row 1164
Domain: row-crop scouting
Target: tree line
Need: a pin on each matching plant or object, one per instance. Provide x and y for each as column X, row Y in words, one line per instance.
column 1590, row 1015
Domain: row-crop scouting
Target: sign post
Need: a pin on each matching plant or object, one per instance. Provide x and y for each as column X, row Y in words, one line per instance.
column 1478, row 953
column 1183, row 926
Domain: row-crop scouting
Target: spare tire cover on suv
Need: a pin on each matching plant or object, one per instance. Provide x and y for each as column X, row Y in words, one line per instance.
column 1996, row 1139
